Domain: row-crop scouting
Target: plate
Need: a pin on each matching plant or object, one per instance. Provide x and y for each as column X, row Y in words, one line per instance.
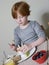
column 24, row 57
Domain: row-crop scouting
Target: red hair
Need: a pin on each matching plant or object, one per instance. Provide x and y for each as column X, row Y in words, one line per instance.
column 22, row 8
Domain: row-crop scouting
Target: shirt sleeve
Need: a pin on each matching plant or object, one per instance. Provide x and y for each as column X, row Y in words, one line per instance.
column 39, row 31
column 16, row 38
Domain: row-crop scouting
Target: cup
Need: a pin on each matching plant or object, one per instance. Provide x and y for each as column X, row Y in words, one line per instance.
column 9, row 62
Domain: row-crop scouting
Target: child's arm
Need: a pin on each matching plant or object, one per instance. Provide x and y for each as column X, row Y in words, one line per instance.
column 40, row 33
column 29, row 46
column 36, row 43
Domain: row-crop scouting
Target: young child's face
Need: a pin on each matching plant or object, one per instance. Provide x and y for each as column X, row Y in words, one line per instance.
column 21, row 20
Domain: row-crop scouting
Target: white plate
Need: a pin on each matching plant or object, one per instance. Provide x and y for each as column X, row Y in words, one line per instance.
column 24, row 57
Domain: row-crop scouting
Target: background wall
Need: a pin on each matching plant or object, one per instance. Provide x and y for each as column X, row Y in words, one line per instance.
column 39, row 11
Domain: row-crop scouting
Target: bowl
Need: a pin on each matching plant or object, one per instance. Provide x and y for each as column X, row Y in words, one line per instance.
column 40, row 57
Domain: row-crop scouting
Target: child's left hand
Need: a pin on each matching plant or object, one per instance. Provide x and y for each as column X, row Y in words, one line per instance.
column 24, row 48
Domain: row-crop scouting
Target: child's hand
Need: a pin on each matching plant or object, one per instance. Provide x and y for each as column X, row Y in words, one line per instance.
column 23, row 48
column 12, row 46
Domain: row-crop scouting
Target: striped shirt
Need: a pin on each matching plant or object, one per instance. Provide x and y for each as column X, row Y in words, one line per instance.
column 28, row 35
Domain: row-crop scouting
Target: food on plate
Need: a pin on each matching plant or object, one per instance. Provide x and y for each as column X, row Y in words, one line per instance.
column 27, row 53
column 16, row 58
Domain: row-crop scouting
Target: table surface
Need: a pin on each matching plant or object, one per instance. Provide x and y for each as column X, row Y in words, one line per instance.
column 31, row 62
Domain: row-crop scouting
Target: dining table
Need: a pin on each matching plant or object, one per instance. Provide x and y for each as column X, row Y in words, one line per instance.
column 29, row 61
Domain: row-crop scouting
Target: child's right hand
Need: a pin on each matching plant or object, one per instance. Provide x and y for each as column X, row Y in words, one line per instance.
column 12, row 46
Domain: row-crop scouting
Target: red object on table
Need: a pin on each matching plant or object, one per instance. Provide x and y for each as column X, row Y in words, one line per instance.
column 39, row 59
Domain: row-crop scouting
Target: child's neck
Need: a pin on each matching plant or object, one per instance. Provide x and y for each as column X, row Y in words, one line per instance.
column 24, row 26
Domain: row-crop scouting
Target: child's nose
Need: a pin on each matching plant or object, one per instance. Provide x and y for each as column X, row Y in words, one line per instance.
column 19, row 19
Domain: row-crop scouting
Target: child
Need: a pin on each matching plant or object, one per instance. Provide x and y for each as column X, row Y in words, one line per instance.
column 27, row 32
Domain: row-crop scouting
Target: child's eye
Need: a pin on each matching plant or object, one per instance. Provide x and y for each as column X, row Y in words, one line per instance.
column 19, row 17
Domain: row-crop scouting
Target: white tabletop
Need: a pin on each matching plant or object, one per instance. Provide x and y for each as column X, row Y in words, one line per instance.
column 30, row 61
